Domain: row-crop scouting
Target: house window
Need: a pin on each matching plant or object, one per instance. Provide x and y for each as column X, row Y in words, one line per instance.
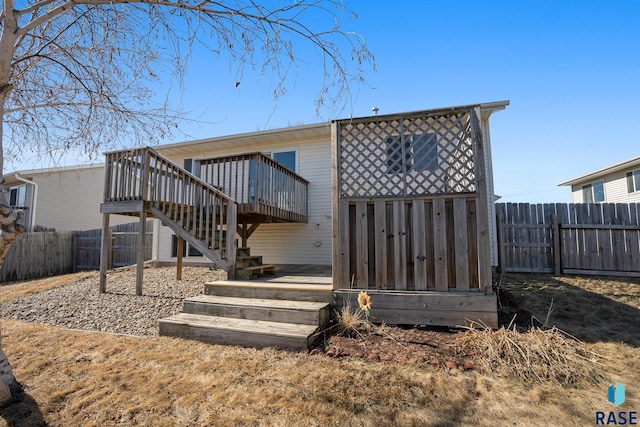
column 420, row 153
column 593, row 193
column 633, row 181
column 187, row 249
column 188, row 165
column 18, row 196
column 285, row 158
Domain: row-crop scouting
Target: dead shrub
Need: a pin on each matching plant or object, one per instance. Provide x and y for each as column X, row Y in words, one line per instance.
column 349, row 321
column 537, row 355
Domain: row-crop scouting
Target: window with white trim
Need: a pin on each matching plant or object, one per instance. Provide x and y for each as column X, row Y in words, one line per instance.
column 633, row 181
column 593, row 193
column 18, row 196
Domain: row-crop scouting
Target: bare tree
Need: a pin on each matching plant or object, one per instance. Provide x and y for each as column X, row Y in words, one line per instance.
column 83, row 74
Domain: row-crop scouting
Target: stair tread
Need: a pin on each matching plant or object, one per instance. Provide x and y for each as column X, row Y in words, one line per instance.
column 260, row 302
column 259, row 267
column 242, row 325
column 271, row 285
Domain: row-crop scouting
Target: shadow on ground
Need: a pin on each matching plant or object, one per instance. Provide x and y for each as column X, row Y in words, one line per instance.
column 591, row 309
column 23, row 412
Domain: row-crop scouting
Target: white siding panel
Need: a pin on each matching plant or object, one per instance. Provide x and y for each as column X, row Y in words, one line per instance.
column 615, row 189
column 70, row 200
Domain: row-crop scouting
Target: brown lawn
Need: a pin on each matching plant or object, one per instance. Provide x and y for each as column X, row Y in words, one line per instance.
column 76, row 378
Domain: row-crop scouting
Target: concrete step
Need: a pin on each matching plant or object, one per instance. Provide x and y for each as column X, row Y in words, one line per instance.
column 302, row 312
column 243, row 332
column 266, row 290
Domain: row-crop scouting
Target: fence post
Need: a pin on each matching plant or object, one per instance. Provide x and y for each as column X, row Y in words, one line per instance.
column 501, row 255
column 74, row 253
column 105, row 252
column 557, row 246
column 179, row 258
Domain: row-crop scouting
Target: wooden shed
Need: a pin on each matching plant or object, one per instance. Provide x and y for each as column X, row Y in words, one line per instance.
column 410, row 217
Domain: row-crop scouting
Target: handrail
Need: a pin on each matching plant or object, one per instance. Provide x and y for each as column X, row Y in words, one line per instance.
column 259, row 184
column 190, row 204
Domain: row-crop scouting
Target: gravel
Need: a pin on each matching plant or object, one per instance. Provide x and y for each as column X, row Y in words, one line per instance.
column 79, row 305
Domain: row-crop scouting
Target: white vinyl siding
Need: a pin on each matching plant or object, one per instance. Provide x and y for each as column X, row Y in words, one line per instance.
column 70, row 199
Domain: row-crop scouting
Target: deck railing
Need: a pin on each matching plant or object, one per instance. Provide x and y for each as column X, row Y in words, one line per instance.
column 260, row 185
column 190, row 204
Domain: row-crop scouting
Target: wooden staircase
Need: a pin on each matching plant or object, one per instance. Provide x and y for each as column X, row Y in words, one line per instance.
column 253, row 314
column 250, row 266
column 141, row 182
column 210, row 210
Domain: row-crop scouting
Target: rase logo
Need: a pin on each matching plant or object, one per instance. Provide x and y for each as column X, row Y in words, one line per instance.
column 615, row 395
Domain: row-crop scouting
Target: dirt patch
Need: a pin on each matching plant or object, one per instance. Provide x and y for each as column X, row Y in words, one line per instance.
column 440, row 347
column 402, row 344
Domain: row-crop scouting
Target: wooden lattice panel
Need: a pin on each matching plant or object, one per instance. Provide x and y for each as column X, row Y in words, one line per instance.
column 407, row 156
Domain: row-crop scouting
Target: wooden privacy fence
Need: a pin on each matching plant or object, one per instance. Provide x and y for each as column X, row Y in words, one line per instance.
column 124, row 246
column 43, row 254
column 39, row 254
column 571, row 238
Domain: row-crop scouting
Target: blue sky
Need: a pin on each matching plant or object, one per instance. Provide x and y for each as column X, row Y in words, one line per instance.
column 571, row 70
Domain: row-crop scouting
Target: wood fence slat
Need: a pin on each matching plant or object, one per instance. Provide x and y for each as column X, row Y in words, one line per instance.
column 380, row 241
column 440, row 244
column 419, row 247
column 362, row 246
column 342, row 277
column 399, row 245
column 460, row 244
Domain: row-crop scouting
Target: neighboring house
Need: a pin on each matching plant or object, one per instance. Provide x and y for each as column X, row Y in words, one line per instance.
column 63, row 198
column 618, row 183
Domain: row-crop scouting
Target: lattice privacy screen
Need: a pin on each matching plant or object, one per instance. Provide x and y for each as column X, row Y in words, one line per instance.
column 407, row 156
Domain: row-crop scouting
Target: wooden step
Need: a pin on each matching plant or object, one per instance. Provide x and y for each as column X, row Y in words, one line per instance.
column 243, row 251
column 243, row 332
column 302, row 312
column 244, row 261
column 250, row 272
column 266, row 290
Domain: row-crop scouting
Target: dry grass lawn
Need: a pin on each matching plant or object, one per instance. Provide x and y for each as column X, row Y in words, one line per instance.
column 77, row 378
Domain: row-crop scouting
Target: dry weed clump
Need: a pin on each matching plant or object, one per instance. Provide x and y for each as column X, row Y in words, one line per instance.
column 349, row 322
column 537, row 355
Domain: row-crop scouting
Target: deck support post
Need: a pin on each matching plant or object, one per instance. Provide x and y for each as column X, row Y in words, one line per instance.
column 105, row 252
column 245, row 232
column 180, row 249
column 141, row 248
